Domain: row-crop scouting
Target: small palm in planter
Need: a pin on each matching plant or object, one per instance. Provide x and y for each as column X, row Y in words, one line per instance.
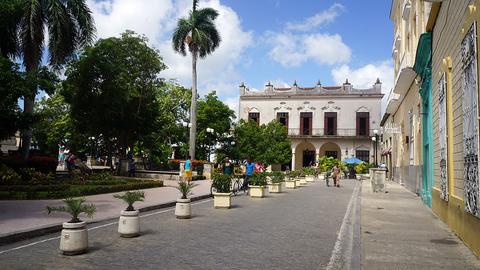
column 129, row 223
column 276, row 182
column 222, row 197
column 74, row 237
column 183, row 208
column 257, row 183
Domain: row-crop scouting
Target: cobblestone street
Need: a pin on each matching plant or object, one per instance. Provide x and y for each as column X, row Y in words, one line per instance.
column 292, row 230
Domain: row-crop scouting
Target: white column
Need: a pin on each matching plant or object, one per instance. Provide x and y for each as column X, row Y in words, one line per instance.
column 293, row 161
column 317, row 154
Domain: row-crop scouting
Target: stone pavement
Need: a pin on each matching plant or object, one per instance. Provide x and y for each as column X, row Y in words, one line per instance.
column 292, row 230
column 399, row 232
column 25, row 216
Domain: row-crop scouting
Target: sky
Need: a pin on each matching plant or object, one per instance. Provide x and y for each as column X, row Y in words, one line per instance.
column 266, row 40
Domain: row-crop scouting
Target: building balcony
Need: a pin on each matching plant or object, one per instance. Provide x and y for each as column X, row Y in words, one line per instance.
column 329, row 133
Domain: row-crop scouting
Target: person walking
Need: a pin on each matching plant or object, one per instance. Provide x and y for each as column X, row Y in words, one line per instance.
column 227, row 167
column 188, row 168
column 250, row 169
column 336, row 175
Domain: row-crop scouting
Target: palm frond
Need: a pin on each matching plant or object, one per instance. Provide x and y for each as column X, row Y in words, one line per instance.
column 10, row 16
column 74, row 206
column 62, row 33
column 84, row 22
column 180, row 35
column 130, row 197
column 32, row 33
column 185, row 187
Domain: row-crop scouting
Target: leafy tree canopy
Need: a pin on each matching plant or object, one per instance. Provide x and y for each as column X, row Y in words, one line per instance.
column 113, row 89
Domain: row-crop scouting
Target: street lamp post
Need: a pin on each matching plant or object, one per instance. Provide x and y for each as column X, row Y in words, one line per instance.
column 211, row 131
column 375, row 140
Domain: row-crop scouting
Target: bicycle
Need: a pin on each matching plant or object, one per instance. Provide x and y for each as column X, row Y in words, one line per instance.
column 237, row 186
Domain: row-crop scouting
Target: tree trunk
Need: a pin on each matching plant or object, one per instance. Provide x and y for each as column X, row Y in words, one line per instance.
column 28, row 103
column 193, row 107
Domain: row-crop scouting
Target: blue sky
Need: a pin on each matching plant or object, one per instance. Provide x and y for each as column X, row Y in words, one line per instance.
column 266, row 40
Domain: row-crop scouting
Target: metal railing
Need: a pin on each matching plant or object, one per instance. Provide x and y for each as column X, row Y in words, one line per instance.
column 322, row 132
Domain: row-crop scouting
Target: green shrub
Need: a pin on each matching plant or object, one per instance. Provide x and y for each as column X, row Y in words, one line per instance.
column 258, row 179
column 277, row 177
column 293, row 174
column 198, row 177
column 103, row 176
column 185, row 187
column 222, row 182
column 8, row 176
column 308, row 171
column 74, row 206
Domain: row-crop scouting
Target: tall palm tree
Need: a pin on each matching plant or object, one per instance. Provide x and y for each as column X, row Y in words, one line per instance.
column 10, row 17
column 199, row 33
column 70, row 27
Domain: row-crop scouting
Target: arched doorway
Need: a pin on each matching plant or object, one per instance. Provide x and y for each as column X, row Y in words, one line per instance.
column 304, row 155
column 331, row 149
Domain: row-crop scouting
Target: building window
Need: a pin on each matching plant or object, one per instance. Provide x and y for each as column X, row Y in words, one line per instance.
column 283, row 118
column 363, row 155
column 254, row 116
column 330, row 123
column 363, row 119
column 442, row 133
column 333, row 154
column 306, row 123
column 470, row 121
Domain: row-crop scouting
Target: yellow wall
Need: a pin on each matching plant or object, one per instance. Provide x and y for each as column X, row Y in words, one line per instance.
column 446, row 59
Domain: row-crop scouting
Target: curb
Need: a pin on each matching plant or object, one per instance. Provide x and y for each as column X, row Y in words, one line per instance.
column 13, row 237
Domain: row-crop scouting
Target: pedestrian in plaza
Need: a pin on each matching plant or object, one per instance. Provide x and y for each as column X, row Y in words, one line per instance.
column 250, row 169
column 188, row 168
column 336, row 175
column 227, row 166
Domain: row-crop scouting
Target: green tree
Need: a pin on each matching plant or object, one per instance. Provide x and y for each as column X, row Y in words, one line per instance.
column 70, row 27
column 113, row 90
column 11, row 89
column 268, row 144
column 199, row 33
column 54, row 125
column 173, row 104
column 212, row 113
column 276, row 145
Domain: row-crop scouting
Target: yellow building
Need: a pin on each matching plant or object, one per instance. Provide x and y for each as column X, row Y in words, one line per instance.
column 402, row 120
column 455, row 77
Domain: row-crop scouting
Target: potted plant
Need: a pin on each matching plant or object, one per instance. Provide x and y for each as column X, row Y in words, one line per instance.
column 302, row 181
column 257, row 183
column 183, row 208
column 74, row 237
column 129, row 223
column 308, row 172
column 290, row 182
column 222, row 196
column 275, row 186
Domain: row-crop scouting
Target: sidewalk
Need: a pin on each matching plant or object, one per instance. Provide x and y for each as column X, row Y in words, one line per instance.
column 399, row 232
column 28, row 218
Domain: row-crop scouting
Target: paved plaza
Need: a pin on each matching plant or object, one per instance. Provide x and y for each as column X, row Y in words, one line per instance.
column 292, row 230
column 313, row 227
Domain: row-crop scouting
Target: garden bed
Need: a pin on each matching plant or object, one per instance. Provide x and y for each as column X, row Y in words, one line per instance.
column 45, row 187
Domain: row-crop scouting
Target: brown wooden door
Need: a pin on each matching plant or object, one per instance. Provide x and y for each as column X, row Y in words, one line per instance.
column 306, row 123
column 363, row 119
column 330, row 123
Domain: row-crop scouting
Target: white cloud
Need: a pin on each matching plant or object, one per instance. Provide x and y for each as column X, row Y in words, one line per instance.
column 156, row 19
column 319, row 19
column 364, row 77
column 292, row 50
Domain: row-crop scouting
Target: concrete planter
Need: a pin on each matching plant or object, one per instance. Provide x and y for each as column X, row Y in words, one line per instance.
column 275, row 187
column 290, row 184
column 321, row 176
column 222, row 200
column 129, row 224
column 303, row 181
column 297, row 182
column 74, row 238
column 183, row 209
column 309, row 178
column 257, row 191
column 359, row 177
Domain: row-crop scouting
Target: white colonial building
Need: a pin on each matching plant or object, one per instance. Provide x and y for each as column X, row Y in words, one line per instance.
column 336, row 121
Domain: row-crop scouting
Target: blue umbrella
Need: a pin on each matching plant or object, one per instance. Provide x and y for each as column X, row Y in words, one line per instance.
column 353, row 160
